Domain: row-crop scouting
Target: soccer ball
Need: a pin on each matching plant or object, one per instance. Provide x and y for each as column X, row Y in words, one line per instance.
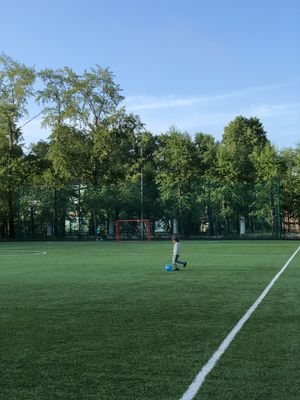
column 168, row 267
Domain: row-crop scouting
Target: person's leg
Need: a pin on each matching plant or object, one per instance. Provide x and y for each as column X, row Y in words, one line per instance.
column 181, row 262
column 175, row 262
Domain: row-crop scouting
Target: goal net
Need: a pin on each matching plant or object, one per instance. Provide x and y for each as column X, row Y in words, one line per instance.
column 133, row 229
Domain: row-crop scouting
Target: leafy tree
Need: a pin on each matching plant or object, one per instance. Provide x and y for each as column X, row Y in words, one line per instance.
column 243, row 141
column 290, row 184
column 57, row 97
column 264, row 201
column 242, row 137
column 16, row 86
column 100, row 163
column 204, row 188
column 206, row 149
column 176, row 171
column 266, row 163
column 141, row 176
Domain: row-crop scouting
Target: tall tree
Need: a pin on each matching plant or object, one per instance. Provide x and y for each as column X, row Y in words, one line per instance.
column 92, row 136
column 59, row 109
column 57, row 96
column 241, row 138
column 290, row 184
column 206, row 148
column 243, row 141
column 264, row 192
column 16, row 86
column 176, row 171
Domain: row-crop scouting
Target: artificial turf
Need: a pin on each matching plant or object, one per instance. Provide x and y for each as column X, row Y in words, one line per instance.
column 104, row 320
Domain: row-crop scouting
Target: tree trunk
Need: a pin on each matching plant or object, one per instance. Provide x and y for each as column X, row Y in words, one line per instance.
column 111, row 227
column 175, row 226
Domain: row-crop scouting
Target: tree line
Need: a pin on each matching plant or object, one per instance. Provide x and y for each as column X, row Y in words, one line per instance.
column 100, row 161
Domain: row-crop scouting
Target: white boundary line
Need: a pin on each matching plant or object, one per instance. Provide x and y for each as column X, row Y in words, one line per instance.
column 200, row 378
column 25, row 253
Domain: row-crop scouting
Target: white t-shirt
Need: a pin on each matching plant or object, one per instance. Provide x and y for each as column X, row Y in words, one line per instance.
column 176, row 249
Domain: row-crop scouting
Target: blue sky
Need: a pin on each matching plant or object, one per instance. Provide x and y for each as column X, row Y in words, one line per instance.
column 195, row 64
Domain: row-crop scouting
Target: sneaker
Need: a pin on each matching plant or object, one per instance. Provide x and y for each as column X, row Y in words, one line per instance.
column 184, row 264
column 176, row 269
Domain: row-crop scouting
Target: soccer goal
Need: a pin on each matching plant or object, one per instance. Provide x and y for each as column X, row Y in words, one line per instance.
column 133, row 229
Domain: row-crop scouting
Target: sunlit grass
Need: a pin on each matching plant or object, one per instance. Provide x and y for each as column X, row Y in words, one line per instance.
column 106, row 321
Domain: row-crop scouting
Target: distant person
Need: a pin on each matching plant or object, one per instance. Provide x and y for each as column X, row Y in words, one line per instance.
column 176, row 253
column 98, row 233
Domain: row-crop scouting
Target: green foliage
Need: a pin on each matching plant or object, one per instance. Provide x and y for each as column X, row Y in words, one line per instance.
column 242, row 137
column 124, row 170
column 57, row 96
column 266, row 163
column 176, row 170
column 67, row 145
column 98, row 97
column 206, row 149
column 290, row 182
column 16, row 86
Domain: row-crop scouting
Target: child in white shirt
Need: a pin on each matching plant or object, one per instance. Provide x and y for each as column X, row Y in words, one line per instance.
column 176, row 251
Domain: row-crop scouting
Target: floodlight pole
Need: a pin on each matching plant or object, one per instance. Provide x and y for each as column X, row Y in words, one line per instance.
column 79, row 211
column 142, row 195
column 18, row 213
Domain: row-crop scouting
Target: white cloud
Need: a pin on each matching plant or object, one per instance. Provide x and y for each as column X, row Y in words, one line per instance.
column 208, row 114
column 273, row 110
column 137, row 103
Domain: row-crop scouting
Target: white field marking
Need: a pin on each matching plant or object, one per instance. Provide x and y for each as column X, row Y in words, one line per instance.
column 200, row 378
column 25, row 253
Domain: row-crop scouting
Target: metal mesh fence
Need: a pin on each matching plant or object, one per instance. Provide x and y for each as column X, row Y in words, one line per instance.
column 216, row 210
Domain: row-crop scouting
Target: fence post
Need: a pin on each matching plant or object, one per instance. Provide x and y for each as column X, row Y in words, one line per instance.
column 209, row 210
column 18, row 230
column 278, row 218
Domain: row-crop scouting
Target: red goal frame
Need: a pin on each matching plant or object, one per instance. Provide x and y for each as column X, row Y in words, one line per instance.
column 145, row 221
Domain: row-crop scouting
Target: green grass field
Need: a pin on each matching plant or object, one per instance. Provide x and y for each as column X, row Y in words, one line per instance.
column 105, row 321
